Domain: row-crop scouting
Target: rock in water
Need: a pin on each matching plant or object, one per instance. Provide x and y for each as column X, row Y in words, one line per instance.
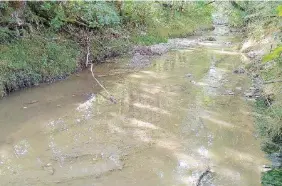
column 48, row 168
column 211, row 39
column 188, row 75
column 239, row 70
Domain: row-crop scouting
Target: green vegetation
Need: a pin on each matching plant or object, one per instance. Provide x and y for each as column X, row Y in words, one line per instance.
column 28, row 62
column 269, row 126
column 259, row 20
column 274, row 55
column 272, row 178
column 256, row 18
column 44, row 41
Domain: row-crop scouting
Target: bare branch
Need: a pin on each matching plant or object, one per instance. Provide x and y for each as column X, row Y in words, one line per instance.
column 111, row 98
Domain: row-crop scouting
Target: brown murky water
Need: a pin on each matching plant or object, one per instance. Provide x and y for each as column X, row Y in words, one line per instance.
column 172, row 121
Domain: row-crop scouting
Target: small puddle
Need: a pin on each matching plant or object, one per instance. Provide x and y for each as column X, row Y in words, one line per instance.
column 172, row 121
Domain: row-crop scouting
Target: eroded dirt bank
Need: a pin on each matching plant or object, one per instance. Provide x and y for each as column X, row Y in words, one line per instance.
column 181, row 115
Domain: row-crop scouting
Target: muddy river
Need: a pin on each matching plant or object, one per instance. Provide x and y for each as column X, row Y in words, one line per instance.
column 182, row 120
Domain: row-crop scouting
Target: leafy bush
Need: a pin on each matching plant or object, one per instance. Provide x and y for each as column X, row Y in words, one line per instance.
column 99, row 14
column 90, row 14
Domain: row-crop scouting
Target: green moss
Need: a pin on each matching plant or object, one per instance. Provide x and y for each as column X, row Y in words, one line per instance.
column 272, row 178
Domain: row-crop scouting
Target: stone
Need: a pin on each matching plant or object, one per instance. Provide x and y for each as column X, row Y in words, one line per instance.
column 239, row 70
column 266, row 168
column 188, row 75
column 211, row 39
column 229, row 92
column 238, row 88
column 48, row 168
column 142, row 50
column 248, row 94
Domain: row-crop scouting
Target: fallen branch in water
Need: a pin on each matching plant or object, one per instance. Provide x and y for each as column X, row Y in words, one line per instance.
column 273, row 81
column 111, row 98
column 207, row 171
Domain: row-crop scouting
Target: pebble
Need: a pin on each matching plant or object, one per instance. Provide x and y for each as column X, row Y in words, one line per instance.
column 229, row 92
column 266, row 168
column 238, row 88
column 188, row 75
column 239, row 71
column 211, row 39
column 248, row 94
column 48, row 168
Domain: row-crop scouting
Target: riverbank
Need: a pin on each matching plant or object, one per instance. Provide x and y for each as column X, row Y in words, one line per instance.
column 49, row 41
column 261, row 45
column 267, row 107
